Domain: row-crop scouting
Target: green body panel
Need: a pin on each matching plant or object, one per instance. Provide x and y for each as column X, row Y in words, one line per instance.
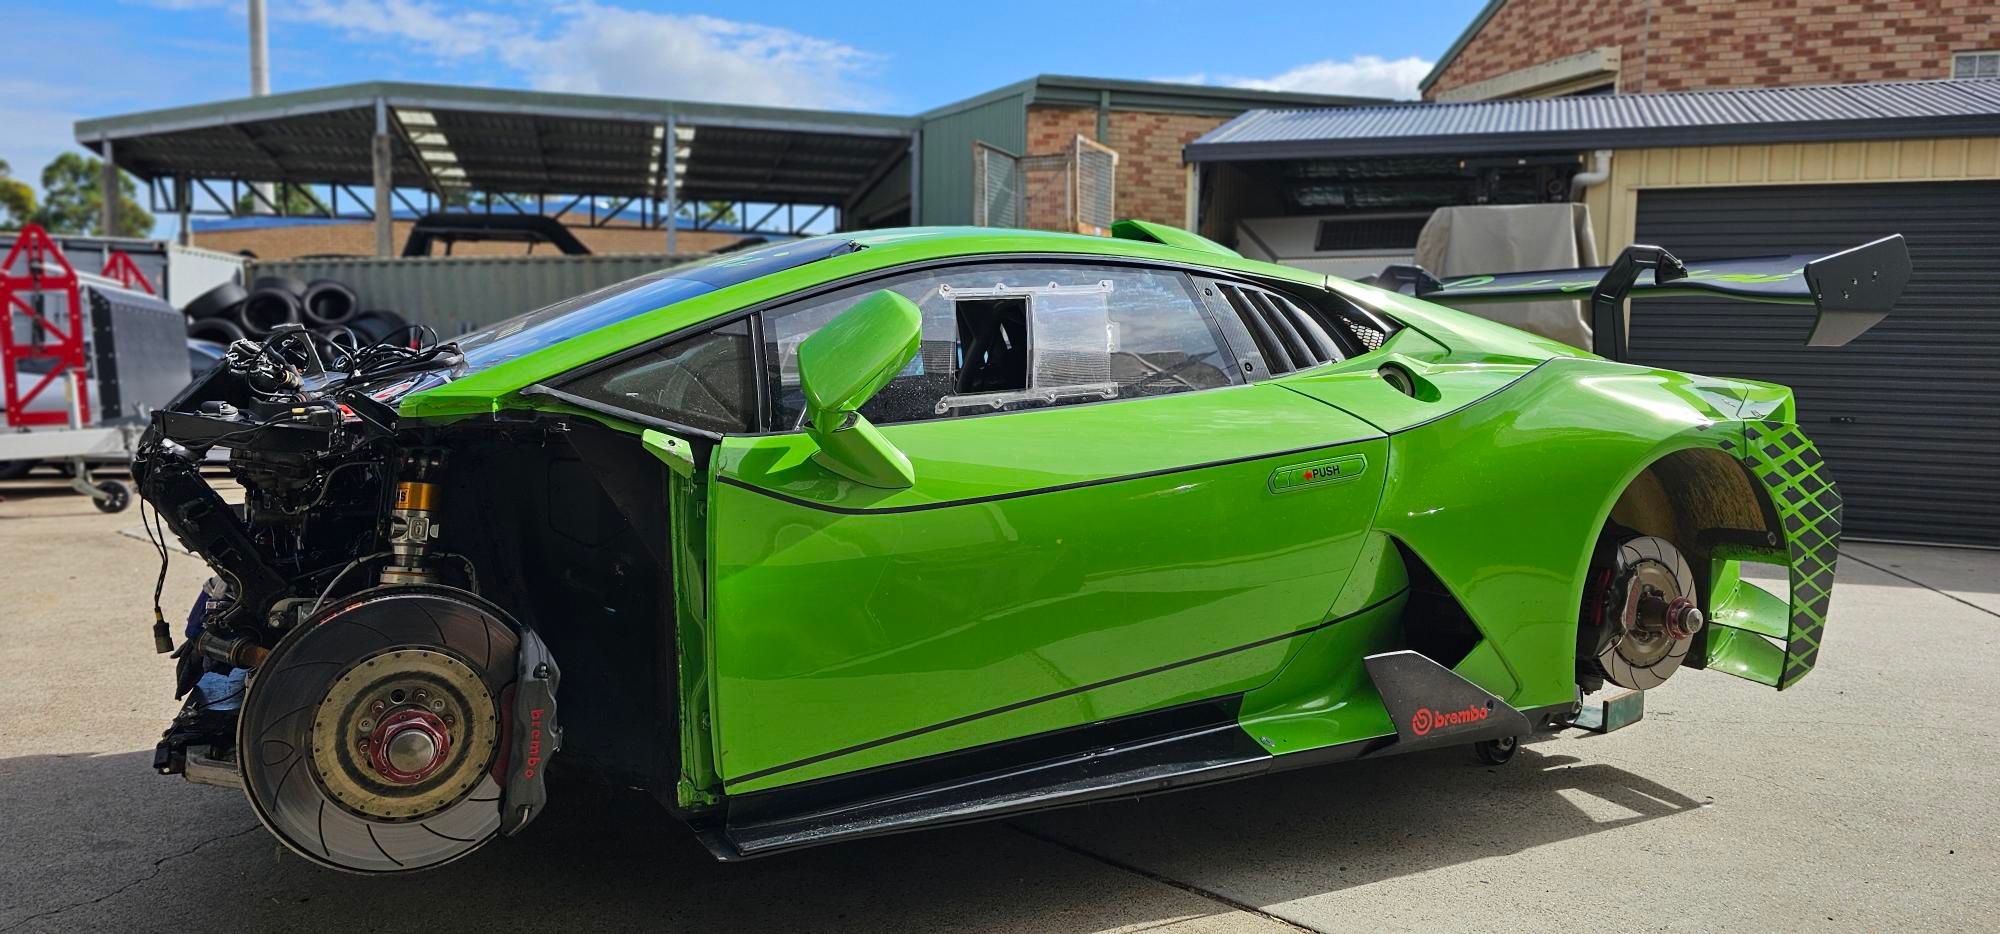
column 1532, row 472
column 1147, row 231
column 1147, row 536
column 1060, row 566
column 1745, row 621
column 694, row 643
column 1793, row 473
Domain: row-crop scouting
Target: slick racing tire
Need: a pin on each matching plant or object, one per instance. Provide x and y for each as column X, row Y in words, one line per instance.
column 374, row 325
column 266, row 309
column 371, row 736
column 220, row 330
column 217, row 302
column 327, row 302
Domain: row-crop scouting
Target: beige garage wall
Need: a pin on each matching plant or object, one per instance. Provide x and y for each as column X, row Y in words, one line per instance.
column 1614, row 205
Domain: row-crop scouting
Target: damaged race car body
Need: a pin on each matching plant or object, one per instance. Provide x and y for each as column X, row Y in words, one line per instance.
column 873, row 532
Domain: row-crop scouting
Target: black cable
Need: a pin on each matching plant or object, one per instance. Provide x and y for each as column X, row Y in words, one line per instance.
column 163, row 638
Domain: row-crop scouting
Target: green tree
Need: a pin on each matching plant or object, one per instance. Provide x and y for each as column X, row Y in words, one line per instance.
column 297, row 201
column 72, row 194
column 711, row 212
column 17, row 200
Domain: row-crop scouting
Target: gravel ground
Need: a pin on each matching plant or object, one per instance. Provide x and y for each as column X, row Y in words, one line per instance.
column 1864, row 799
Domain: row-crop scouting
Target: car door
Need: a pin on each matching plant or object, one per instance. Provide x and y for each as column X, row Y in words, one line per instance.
column 1106, row 518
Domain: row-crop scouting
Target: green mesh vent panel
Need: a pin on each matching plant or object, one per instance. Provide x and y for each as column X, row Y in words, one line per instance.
column 1808, row 506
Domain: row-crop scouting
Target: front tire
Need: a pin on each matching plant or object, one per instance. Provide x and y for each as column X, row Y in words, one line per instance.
column 369, row 739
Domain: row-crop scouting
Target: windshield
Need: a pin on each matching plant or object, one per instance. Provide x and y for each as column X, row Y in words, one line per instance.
column 542, row 328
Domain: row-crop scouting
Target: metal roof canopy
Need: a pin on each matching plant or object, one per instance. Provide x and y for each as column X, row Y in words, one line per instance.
column 517, row 142
column 1686, row 118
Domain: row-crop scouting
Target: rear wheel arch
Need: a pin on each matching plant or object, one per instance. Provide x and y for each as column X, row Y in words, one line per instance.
column 1696, row 498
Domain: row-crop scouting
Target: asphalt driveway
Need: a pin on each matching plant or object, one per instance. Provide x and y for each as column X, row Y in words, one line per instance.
column 1867, row 798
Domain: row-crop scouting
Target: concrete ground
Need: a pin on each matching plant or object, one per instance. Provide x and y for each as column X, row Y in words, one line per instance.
column 1864, row 799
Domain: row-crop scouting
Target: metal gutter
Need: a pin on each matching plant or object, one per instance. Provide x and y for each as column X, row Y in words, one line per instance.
column 1828, row 113
column 1659, row 137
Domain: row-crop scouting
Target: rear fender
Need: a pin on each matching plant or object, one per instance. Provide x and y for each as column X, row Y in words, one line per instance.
column 1535, row 471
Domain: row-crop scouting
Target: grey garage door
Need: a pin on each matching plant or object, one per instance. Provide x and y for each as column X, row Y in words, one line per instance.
column 1908, row 415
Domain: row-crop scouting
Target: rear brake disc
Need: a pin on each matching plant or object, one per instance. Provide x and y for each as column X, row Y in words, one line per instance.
column 1654, row 602
column 369, row 739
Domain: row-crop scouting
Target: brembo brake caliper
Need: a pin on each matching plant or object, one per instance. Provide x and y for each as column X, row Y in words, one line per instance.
column 536, row 735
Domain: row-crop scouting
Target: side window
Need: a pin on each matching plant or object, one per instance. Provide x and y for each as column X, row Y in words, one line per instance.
column 1007, row 337
column 1276, row 332
column 707, row 381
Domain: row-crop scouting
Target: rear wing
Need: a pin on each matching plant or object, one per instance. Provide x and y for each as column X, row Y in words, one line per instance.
column 1850, row 290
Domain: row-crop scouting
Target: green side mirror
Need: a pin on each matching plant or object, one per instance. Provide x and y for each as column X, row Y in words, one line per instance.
column 842, row 366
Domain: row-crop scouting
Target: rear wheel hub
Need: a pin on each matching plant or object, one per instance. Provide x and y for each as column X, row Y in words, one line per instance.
column 1647, row 614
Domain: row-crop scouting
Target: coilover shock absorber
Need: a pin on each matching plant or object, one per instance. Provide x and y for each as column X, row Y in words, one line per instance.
column 412, row 521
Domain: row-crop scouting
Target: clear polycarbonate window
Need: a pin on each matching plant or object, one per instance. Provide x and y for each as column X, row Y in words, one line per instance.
column 1012, row 336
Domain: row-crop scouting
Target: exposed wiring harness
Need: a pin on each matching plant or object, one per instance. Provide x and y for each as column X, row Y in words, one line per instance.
column 156, row 533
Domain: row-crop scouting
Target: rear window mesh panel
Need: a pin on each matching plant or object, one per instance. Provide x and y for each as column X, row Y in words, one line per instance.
column 1292, row 335
column 1367, row 336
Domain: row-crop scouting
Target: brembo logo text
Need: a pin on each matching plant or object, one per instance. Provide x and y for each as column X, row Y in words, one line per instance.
column 1426, row 719
column 534, row 742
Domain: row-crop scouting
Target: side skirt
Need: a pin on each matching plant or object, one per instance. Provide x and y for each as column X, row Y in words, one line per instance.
column 1165, row 750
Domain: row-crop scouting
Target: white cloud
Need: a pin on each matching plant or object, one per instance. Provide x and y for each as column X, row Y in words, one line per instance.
column 608, row 50
column 1362, row 76
column 588, row 47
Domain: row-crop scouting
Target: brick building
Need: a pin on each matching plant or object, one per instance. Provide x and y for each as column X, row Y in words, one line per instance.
column 1152, row 183
column 1146, row 123
column 1551, row 48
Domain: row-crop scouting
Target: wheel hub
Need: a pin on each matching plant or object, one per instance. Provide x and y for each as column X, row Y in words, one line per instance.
column 409, row 746
column 403, row 734
column 1649, row 615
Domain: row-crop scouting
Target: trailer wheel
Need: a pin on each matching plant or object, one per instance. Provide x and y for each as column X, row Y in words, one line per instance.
column 116, row 497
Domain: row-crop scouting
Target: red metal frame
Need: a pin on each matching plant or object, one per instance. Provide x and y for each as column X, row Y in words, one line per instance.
column 37, row 265
column 119, row 266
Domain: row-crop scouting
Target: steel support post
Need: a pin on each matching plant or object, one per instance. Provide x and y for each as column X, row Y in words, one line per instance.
column 673, row 154
column 385, row 225
column 107, row 212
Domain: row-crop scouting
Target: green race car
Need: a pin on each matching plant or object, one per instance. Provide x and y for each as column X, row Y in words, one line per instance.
column 871, row 532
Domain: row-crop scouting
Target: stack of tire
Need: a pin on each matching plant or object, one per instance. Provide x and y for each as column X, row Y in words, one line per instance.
column 229, row 312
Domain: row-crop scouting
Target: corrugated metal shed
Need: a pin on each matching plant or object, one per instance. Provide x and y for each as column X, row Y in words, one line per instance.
column 1689, row 118
column 508, row 141
column 947, row 154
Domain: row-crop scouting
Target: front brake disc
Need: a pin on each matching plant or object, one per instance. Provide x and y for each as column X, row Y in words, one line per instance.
column 369, row 739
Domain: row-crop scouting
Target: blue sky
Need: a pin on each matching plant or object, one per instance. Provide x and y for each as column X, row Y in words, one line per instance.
column 85, row 58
